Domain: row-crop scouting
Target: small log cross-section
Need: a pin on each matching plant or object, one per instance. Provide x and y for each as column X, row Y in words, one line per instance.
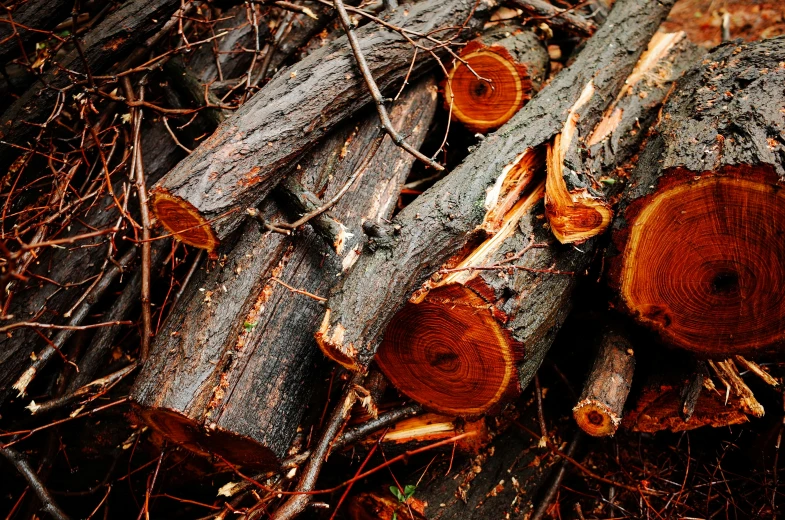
column 503, row 70
column 205, row 197
column 228, row 371
column 699, row 243
column 502, row 287
column 599, row 410
column 580, row 184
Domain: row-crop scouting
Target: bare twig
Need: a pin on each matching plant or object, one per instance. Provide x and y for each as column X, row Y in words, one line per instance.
column 550, row 494
column 137, row 173
column 298, row 502
column 86, row 393
column 376, row 94
column 563, row 18
column 47, row 501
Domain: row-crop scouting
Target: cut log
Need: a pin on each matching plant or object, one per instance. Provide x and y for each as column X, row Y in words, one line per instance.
column 698, row 242
column 599, row 409
column 500, row 72
column 510, row 291
column 205, row 197
column 581, row 183
column 191, row 84
column 227, row 372
column 116, row 35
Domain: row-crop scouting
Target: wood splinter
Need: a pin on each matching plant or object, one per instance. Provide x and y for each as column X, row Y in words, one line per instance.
column 599, row 410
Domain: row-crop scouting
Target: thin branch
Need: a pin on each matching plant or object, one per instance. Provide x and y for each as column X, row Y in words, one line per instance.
column 298, row 502
column 137, row 173
column 376, row 94
column 47, row 501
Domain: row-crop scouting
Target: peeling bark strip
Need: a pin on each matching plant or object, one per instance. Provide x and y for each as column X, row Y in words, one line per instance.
column 119, row 33
column 578, row 197
column 204, row 198
column 512, row 64
column 600, row 407
column 443, row 221
column 225, row 374
column 698, row 239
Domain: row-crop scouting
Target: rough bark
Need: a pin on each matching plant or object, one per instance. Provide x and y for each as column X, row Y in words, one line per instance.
column 582, row 180
column 228, row 372
column 511, row 63
column 446, row 224
column 59, row 276
column 115, row 36
column 599, row 409
column 191, row 83
column 36, row 14
column 250, row 153
column 698, row 240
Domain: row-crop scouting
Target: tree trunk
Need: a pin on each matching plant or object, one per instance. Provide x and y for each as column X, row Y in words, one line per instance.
column 231, row 370
column 205, row 197
column 599, row 409
column 698, row 241
column 513, row 312
column 511, row 63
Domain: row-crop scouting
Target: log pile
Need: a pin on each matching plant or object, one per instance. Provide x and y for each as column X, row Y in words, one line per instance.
column 643, row 166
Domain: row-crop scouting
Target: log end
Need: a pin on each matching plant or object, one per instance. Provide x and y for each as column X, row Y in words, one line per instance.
column 183, row 220
column 595, row 418
column 208, row 440
column 701, row 263
column 486, row 102
column 450, row 354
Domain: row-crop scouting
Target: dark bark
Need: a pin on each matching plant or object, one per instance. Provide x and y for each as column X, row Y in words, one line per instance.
column 115, row 36
column 438, row 224
column 57, row 278
column 36, row 14
column 582, row 178
column 599, row 409
column 232, row 369
column 250, row 152
column 697, row 239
